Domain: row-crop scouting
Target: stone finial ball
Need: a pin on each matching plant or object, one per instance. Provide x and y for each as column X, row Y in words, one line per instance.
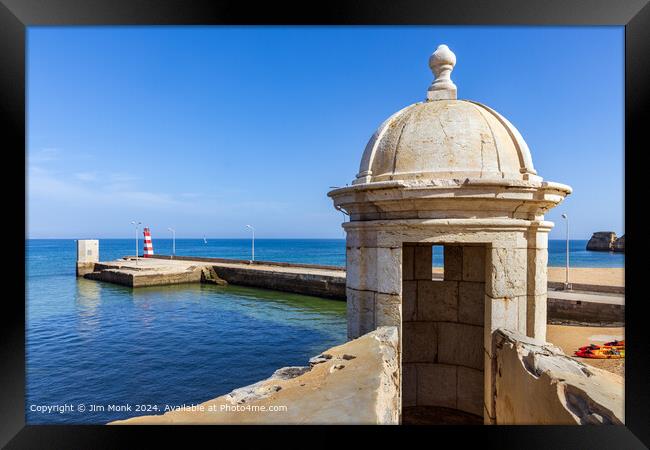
column 440, row 58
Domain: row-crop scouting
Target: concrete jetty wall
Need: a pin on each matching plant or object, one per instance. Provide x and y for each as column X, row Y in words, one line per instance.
column 248, row 262
column 307, row 284
column 564, row 310
column 306, row 279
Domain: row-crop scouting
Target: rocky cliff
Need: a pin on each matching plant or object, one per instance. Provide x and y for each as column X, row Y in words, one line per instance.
column 619, row 245
column 606, row 241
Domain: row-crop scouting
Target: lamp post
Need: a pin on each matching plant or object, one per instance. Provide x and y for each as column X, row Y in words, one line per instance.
column 253, row 243
column 338, row 208
column 173, row 241
column 567, row 285
column 137, row 224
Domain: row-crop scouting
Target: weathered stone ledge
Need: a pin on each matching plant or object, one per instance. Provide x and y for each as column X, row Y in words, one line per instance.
column 353, row 383
column 536, row 383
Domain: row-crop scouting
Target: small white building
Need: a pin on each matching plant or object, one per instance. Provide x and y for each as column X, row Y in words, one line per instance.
column 453, row 173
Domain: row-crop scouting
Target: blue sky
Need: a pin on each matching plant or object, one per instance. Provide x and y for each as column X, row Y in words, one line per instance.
column 207, row 129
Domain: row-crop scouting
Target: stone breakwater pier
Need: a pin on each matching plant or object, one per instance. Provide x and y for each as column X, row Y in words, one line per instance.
column 160, row 270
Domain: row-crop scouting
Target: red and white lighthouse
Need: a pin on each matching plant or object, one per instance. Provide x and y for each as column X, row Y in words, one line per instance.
column 148, row 246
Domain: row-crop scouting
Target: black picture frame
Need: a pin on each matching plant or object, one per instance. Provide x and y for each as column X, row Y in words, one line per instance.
column 16, row 15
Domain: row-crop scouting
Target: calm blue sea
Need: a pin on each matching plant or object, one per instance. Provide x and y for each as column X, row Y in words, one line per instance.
column 312, row 251
column 91, row 343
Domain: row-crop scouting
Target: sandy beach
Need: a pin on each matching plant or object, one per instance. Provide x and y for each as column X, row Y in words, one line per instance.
column 583, row 275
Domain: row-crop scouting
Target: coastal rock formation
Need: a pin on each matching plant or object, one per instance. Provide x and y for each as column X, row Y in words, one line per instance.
column 354, row 383
column 602, row 241
column 606, row 241
column 536, row 383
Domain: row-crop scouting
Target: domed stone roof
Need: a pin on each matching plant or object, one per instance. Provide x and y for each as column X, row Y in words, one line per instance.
column 445, row 138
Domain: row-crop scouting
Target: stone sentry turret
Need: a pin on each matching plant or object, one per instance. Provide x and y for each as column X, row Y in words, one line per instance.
column 454, row 173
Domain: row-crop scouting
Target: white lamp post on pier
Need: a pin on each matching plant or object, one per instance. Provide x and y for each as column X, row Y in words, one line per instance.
column 173, row 241
column 567, row 284
column 137, row 224
column 252, row 243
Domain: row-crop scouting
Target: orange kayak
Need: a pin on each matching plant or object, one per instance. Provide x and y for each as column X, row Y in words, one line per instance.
column 613, row 344
column 601, row 353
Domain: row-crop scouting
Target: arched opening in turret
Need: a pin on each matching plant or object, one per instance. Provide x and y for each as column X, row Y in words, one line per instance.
column 443, row 335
